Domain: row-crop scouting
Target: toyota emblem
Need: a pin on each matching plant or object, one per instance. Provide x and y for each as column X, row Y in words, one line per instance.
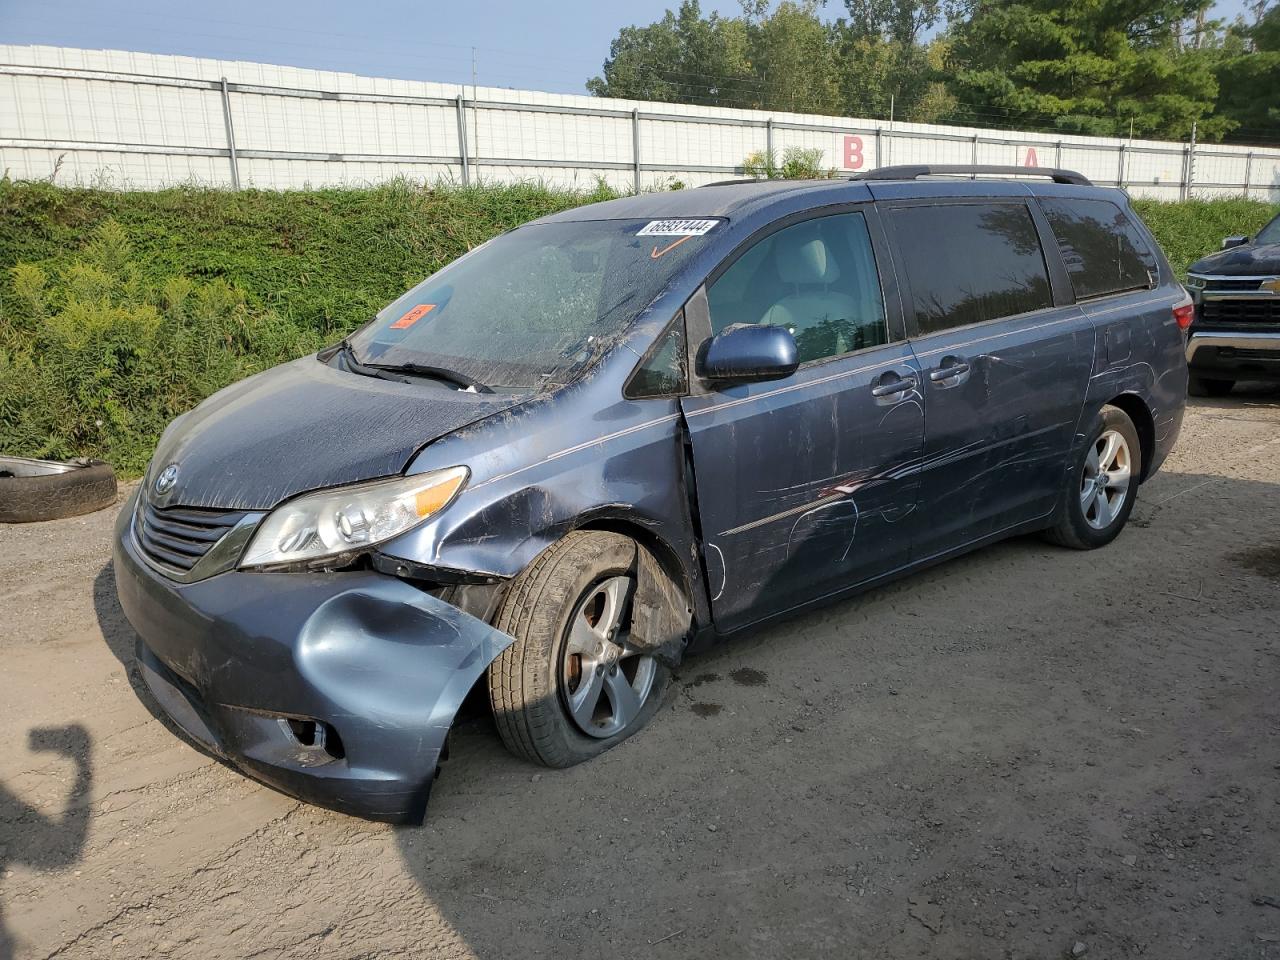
column 168, row 477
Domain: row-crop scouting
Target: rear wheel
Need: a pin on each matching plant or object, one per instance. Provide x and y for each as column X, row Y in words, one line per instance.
column 1102, row 486
column 1202, row 387
column 572, row 685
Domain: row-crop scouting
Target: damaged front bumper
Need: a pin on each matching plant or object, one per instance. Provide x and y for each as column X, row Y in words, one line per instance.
column 336, row 688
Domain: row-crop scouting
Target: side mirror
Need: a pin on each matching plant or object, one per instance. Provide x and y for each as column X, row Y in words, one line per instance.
column 1235, row 240
column 749, row 352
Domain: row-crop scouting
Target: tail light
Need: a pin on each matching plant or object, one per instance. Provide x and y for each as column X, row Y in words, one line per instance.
column 1184, row 312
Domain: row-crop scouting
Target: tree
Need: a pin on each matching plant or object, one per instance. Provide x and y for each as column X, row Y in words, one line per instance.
column 782, row 57
column 1092, row 68
column 1099, row 67
column 796, row 60
column 1248, row 74
column 683, row 58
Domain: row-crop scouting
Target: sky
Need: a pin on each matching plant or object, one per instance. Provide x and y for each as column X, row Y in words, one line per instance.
column 554, row 46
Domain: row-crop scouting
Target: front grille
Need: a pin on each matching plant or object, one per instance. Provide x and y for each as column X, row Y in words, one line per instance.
column 1247, row 283
column 180, row 536
column 1241, row 311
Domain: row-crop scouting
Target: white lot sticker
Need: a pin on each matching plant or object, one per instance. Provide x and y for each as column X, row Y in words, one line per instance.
column 676, row 228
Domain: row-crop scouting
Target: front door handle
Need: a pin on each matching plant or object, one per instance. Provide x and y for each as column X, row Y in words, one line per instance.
column 949, row 368
column 889, row 383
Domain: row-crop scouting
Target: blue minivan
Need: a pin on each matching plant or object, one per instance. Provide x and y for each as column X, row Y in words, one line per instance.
column 627, row 430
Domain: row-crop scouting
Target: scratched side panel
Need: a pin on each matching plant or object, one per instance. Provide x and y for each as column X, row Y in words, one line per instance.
column 999, row 435
column 804, row 484
column 1139, row 353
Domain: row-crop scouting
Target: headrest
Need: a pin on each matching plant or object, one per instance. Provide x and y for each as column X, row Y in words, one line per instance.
column 807, row 262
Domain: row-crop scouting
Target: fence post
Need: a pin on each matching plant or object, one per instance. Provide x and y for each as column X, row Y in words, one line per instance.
column 1120, row 169
column 462, row 140
column 1057, row 155
column 635, row 143
column 974, row 155
column 1188, row 180
column 1248, row 169
column 231, row 136
column 768, row 138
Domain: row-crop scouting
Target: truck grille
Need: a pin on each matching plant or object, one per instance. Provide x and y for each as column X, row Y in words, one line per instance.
column 179, row 536
column 1246, row 283
column 1241, row 311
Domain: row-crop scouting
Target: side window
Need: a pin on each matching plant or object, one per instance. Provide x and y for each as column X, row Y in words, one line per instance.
column 971, row 262
column 817, row 278
column 662, row 374
column 1101, row 247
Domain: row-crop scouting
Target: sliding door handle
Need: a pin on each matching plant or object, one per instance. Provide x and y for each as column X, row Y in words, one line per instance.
column 889, row 384
column 949, row 368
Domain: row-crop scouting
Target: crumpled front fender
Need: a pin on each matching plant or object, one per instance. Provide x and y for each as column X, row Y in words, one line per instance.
column 396, row 662
column 232, row 659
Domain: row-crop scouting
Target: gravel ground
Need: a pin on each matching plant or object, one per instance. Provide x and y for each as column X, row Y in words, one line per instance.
column 1027, row 752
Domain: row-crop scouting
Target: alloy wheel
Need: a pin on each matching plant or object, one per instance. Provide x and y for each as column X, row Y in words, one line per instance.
column 605, row 681
column 1105, row 482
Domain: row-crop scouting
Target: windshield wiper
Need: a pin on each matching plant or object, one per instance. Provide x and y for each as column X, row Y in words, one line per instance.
column 388, row 371
column 436, row 373
column 355, row 366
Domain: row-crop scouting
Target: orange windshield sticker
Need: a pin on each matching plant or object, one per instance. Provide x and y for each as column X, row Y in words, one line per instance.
column 413, row 316
column 669, row 247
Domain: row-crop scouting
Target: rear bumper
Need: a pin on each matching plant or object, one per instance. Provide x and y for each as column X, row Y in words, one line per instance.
column 381, row 666
column 1234, row 354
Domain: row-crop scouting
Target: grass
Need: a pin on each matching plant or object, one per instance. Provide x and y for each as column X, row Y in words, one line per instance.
column 1189, row 230
column 121, row 310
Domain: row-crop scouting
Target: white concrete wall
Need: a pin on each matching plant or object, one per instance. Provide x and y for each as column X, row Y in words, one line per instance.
column 139, row 120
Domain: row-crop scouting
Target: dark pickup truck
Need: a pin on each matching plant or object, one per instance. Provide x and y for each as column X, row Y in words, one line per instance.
column 1236, row 332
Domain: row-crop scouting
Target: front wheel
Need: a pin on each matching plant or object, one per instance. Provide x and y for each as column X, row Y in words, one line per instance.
column 572, row 685
column 1102, row 486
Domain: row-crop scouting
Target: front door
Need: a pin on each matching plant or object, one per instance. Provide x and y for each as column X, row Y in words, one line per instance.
column 1004, row 370
column 804, row 484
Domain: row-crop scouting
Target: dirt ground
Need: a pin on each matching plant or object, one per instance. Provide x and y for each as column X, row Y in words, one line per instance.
column 1024, row 753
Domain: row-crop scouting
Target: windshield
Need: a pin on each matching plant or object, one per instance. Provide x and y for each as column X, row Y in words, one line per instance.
column 1270, row 233
column 532, row 307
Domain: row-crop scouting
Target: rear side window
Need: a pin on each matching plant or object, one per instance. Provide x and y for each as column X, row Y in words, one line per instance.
column 971, row 262
column 817, row 278
column 1101, row 247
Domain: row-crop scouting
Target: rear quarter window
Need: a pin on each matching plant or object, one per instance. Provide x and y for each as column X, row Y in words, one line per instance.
column 1103, row 251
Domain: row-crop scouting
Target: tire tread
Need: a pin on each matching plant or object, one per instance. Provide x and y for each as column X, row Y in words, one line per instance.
column 529, row 719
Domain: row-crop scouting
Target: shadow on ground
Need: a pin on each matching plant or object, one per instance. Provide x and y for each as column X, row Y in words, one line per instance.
column 31, row 838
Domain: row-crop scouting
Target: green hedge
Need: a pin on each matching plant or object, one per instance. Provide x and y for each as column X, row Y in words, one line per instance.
column 119, row 310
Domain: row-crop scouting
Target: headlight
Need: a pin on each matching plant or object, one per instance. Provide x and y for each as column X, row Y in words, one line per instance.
column 347, row 520
column 1195, row 283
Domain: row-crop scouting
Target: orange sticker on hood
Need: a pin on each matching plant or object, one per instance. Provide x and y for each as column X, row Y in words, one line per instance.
column 413, row 316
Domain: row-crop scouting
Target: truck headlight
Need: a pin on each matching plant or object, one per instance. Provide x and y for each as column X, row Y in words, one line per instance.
column 347, row 520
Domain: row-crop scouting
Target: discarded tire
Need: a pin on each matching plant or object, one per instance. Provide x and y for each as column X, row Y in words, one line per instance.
column 49, row 489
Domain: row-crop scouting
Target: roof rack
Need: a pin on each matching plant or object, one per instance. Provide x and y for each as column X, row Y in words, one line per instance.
column 729, row 183
column 914, row 171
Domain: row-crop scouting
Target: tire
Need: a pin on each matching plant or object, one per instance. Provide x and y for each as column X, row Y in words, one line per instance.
column 32, row 490
column 1201, row 387
column 1085, row 522
column 533, row 682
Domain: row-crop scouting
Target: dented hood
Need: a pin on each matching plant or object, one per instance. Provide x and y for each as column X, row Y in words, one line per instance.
column 303, row 426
